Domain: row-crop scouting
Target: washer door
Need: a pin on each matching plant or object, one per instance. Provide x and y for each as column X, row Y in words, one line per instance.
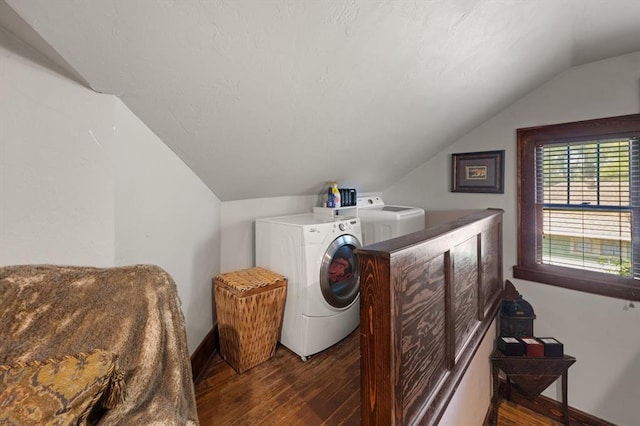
column 340, row 272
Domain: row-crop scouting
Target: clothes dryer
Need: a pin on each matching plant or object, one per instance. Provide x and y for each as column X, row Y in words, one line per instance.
column 381, row 222
column 316, row 254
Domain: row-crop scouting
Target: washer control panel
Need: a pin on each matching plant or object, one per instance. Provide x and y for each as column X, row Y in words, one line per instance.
column 345, row 225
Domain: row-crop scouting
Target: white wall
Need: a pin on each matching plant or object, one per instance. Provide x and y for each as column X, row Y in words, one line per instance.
column 469, row 406
column 238, row 225
column 54, row 207
column 601, row 332
column 166, row 216
column 84, row 182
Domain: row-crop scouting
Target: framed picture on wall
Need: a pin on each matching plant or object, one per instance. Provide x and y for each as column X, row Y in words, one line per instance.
column 480, row 172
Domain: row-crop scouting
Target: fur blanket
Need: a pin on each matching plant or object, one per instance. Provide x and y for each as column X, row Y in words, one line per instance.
column 51, row 311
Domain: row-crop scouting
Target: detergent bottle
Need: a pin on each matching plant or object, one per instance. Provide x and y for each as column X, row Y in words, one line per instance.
column 330, row 202
column 336, row 194
column 331, row 198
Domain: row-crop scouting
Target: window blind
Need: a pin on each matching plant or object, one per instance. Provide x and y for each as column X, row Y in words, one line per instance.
column 587, row 204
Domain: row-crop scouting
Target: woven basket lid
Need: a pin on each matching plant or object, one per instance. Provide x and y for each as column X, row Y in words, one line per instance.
column 246, row 280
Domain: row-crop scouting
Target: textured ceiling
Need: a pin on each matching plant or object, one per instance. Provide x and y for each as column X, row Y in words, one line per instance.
column 274, row 97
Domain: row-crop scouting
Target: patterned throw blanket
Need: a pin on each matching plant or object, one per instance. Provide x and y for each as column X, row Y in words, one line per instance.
column 134, row 312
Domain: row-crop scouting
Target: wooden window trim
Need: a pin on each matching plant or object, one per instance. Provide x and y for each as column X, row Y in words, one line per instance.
column 527, row 267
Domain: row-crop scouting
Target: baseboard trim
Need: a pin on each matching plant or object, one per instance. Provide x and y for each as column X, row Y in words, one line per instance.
column 203, row 353
column 547, row 407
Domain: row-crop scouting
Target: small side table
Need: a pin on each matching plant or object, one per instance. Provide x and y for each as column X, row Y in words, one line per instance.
column 532, row 375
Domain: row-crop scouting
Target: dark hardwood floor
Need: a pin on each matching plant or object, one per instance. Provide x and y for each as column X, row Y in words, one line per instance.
column 325, row 390
column 284, row 390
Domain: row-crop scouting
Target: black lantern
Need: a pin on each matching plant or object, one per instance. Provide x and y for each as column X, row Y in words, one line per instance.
column 516, row 314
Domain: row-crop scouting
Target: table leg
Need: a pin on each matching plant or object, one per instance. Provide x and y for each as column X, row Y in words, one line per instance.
column 565, row 402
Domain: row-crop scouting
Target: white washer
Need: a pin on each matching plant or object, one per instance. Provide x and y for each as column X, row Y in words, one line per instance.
column 381, row 222
column 316, row 254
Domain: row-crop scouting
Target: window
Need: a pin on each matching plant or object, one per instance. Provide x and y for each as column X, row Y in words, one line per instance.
column 612, row 248
column 579, row 206
column 579, row 246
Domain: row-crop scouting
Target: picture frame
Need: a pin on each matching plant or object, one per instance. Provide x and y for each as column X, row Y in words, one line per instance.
column 478, row 172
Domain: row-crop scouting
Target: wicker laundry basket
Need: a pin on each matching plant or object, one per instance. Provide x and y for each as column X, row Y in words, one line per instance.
column 249, row 306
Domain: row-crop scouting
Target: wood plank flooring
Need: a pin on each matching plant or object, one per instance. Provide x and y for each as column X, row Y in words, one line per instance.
column 325, row 390
column 284, row 390
column 510, row 414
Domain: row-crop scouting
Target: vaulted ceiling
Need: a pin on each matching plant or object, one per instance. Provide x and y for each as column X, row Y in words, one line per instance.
column 275, row 97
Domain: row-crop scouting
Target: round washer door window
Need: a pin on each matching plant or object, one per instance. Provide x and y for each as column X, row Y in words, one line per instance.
column 340, row 272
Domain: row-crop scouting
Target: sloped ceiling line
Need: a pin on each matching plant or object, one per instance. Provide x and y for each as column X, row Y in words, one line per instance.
column 275, row 97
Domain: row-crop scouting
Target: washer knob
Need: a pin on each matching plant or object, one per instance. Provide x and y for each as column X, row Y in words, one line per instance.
column 342, row 226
